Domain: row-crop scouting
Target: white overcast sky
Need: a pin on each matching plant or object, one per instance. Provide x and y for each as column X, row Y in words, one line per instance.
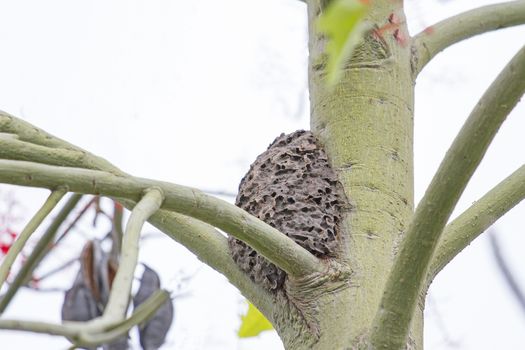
column 191, row 91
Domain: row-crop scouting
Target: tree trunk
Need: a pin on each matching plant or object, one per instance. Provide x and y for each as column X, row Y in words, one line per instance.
column 365, row 123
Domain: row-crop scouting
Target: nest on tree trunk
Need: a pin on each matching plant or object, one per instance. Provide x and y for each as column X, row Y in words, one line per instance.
column 291, row 187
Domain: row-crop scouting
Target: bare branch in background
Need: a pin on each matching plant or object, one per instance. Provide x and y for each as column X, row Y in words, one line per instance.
column 436, row 316
column 75, row 221
column 221, row 193
column 508, row 276
column 56, row 270
column 39, row 251
column 28, row 230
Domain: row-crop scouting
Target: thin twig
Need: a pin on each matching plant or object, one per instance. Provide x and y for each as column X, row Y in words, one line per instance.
column 38, row 327
column 77, row 332
column 28, row 230
column 140, row 315
column 116, row 231
column 56, row 270
column 74, row 221
column 442, row 325
column 38, row 252
column 47, row 289
column 505, row 271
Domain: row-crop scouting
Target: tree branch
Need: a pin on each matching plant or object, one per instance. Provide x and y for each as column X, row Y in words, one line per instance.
column 203, row 240
column 208, row 244
column 13, row 148
column 392, row 321
column 28, row 230
column 272, row 244
column 441, row 35
column 24, row 131
column 75, row 330
column 243, row 226
column 476, row 219
column 114, row 323
column 140, row 315
column 117, row 232
column 38, row 252
column 38, row 327
column 211, row 247
column 115, row 310
column 121, row 287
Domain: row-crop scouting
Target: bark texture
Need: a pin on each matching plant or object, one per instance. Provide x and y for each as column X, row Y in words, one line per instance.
column 365, row 123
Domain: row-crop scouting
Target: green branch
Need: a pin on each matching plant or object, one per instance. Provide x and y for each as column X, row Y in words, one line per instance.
column 121, row 287
column 476, row 219
column 441, row 35
column 76, row 331
column 55, row 148
column 392, row 321
column 12, row 148
column 38, row 252
column 203, row 240
column 38, row 327
column 28, row 230
column 117, row 232
column 272, row 244
column 115, row 311
column 211, row 247
column 141, row 314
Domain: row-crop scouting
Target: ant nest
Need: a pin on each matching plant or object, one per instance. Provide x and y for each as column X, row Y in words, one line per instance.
column 291, row 187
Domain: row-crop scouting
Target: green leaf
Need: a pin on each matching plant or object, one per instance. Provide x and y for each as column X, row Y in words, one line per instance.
column 342, row 23
column 253, row 323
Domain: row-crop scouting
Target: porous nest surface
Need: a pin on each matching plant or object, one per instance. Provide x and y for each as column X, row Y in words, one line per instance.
column 291, row 187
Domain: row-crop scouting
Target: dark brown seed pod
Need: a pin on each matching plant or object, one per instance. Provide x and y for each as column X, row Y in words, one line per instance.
column 292, row 187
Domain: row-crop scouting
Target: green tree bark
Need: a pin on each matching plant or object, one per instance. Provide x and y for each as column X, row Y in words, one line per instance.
column 366, row 125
